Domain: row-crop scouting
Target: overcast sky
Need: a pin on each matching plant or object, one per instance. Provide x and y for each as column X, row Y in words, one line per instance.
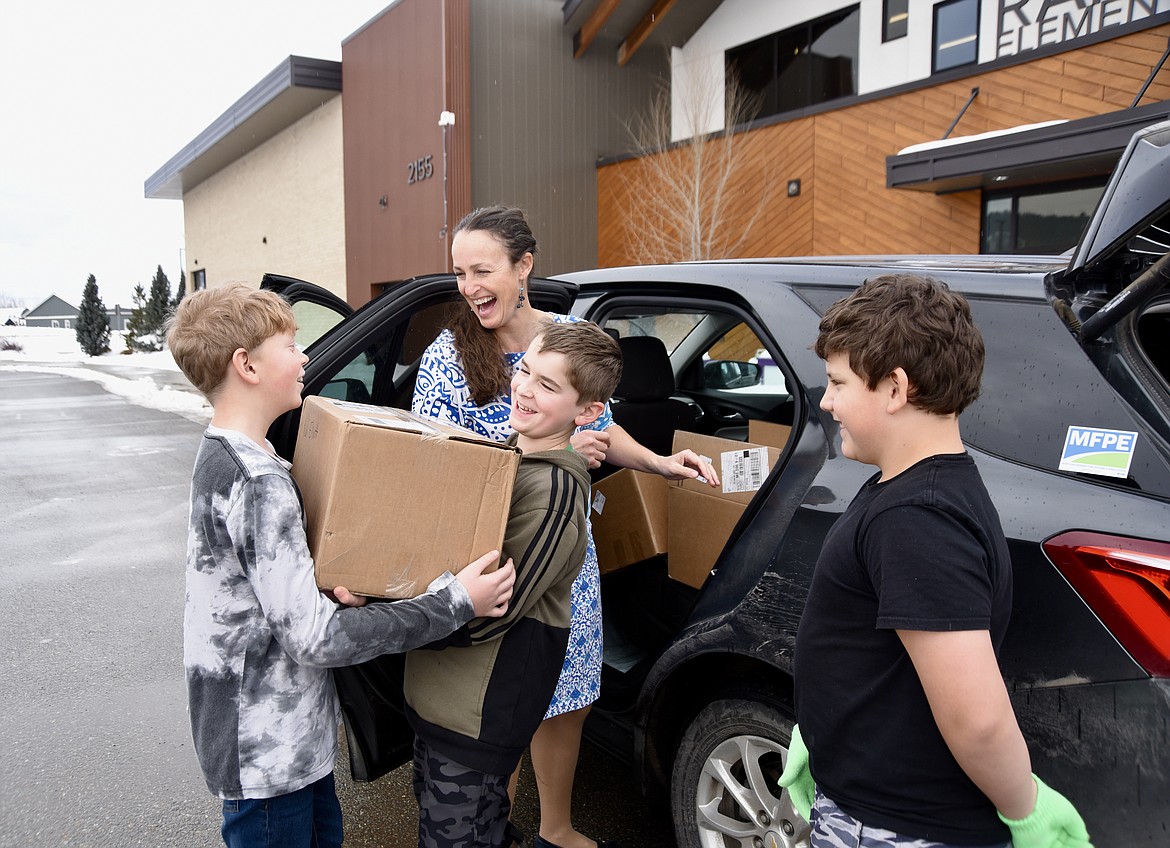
column 96, row 97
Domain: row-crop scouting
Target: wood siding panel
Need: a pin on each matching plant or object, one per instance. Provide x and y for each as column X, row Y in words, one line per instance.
column 839, row 156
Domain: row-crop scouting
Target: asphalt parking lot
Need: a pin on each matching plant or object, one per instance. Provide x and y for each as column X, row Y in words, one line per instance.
column 95, row 749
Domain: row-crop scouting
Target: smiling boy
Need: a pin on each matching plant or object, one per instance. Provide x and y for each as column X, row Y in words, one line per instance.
column 475, row 700
column 910, row 733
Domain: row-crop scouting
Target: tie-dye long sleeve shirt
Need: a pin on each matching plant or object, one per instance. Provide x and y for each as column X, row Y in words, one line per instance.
column 259, row 638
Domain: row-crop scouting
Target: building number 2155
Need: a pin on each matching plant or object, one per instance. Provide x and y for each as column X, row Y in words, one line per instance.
column 419, row 170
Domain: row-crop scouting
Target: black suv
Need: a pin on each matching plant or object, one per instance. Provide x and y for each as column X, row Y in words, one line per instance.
column 697, row 690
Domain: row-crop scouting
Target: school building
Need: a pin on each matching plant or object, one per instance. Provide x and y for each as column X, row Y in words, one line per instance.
column 879, row 126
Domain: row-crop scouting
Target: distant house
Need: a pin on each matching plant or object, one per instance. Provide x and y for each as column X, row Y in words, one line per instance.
column 119, row 316
column 12, row 316
column 52, row 312
column 55, row 312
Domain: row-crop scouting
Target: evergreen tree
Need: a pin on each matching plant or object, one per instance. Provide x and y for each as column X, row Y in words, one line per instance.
column 181, row 292
column 93, row 324
column 158, row 307
column 140, row 333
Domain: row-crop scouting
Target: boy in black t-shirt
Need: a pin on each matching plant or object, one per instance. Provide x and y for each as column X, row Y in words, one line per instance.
column 911, row 737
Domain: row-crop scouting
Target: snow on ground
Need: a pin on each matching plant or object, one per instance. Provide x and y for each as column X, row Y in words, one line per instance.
column 147, row 379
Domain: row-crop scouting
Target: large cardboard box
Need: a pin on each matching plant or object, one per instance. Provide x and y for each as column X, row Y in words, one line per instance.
column 628, row 514
column 392, row 500
column 700, row 518
column 699, row 526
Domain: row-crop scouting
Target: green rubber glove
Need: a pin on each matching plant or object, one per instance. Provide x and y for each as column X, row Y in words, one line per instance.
column 1053, row 823
column 796, row 778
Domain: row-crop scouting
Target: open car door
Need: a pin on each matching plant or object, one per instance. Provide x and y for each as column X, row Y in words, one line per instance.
column 372, row 356
column 317, row 310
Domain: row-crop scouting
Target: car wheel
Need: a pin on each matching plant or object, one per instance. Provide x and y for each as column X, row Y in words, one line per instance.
column 723, row 788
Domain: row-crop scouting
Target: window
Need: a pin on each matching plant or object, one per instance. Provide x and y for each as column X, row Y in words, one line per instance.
column 724, row 368
column 313, row 321
column 383, row 373
column 199, row 279
column 1038, row 219
column 956, row 34
column 799, row 67
column 895, row 15
column 672, row 327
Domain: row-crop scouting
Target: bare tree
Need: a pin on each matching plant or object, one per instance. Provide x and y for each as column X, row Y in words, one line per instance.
column 680, row 199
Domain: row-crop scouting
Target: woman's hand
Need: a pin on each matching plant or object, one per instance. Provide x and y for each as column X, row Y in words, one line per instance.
column 687, row 465
column 591, row 444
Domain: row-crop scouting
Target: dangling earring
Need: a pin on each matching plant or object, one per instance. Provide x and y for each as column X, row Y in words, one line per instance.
column 520, row 300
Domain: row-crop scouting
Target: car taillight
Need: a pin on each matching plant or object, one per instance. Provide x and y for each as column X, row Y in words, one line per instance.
column 1126, row 582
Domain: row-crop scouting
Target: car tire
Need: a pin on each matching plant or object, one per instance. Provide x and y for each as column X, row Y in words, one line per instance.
column 731, row 755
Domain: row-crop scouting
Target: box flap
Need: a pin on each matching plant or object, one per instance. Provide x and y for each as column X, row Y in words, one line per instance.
column 401, row 419
column 768, row 433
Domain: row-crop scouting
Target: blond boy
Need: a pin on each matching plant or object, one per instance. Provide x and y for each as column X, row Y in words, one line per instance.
column 258, row 637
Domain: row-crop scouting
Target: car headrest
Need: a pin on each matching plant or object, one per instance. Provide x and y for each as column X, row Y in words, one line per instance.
column 646, row 371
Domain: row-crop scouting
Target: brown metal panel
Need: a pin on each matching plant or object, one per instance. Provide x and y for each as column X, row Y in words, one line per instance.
column 541, row 120
column 397, row 75
column 458, row 82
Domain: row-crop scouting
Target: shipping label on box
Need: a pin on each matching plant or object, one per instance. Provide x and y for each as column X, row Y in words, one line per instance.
column 743, row 466
column 628, row 516
column 743, row 470
column 392, row 500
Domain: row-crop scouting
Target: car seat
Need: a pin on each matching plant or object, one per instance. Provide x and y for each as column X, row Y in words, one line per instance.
column 643, row 405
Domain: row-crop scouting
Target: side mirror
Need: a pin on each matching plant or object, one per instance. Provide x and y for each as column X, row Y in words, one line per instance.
column 729, row 374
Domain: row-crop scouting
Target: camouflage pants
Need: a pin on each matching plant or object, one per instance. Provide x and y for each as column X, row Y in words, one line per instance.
column 458, row 807
column 832, row 827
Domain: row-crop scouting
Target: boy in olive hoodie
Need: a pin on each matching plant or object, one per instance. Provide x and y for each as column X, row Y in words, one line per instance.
column 475, row 699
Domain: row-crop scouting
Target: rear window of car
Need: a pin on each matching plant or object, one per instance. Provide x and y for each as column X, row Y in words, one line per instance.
column 1037, row 382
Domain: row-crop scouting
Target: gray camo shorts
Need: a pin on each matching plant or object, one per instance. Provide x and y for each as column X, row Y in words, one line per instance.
column 458, row 807
column 832, row 827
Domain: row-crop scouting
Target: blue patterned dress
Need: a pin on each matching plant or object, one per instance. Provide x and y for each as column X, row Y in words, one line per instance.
column 441, row 391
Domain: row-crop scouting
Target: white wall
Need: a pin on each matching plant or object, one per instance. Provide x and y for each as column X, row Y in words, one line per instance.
column 904, row 59
column 1023, row 27
column 882, row 66
column 735, row 22
column 280, row 208
column 740, row 21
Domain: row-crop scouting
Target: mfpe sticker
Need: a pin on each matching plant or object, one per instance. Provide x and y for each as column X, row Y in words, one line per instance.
column 1093, row 450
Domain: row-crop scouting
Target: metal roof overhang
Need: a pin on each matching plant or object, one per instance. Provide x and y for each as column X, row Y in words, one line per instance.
column 1086, row 147
column 295, row 88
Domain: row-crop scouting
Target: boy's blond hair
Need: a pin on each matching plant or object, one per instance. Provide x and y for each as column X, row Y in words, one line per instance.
column 593, row 360
column 209, row 326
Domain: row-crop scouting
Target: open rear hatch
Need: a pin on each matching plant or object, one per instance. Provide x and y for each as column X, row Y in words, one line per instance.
column 1121, row 261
